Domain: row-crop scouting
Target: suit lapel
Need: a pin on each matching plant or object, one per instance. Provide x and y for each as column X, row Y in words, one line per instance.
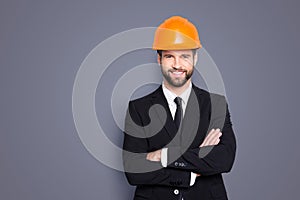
column 159, row 98
column 191, row 118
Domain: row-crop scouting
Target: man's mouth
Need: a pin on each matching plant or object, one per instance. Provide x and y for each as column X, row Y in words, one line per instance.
column 178, row 72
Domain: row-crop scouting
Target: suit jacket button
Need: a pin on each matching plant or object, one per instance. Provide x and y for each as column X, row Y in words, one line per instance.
column 176, row 192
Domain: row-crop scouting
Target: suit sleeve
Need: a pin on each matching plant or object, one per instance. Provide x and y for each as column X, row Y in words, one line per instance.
column 138, row 170
column 210, row 160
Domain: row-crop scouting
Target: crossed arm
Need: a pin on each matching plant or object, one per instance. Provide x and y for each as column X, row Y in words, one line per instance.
column 219, row 160
column 212, row 138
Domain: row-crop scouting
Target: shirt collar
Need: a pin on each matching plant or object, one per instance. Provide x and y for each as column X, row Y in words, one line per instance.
column 170, row 96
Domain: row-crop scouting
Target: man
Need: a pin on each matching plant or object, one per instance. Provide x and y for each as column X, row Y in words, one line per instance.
column 179, row 139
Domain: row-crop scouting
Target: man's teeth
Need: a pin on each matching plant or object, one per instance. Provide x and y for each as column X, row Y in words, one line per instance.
column 178, row 73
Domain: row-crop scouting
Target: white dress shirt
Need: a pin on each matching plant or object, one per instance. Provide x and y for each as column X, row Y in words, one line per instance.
column 170, row 96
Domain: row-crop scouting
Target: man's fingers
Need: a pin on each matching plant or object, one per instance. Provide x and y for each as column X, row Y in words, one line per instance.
column 216, row 139
column 151, row 157
column 154, row 156
column 209, row 137
column 212, row 138
column 148, row 156
column 204, row 143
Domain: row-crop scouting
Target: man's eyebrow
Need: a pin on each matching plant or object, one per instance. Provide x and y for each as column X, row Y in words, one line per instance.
column 186, row 55
column 181, row 55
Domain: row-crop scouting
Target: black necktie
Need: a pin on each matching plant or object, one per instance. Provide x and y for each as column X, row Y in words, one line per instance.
column 178, row 114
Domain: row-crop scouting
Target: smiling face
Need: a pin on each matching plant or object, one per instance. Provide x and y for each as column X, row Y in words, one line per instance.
column 177, row 67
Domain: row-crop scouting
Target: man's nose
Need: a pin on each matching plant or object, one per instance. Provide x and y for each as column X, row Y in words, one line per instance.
column 176, row 64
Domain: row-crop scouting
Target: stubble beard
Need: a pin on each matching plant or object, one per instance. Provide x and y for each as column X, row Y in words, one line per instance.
column 177, row 82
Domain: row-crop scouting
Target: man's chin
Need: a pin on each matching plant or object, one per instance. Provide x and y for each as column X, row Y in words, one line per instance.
column 178, row 84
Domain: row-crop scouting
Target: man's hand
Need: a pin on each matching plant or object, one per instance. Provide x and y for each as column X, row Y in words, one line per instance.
column 154, row 156
column 213, row 138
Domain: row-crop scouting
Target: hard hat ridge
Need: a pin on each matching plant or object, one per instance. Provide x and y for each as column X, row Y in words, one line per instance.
column 176, row 33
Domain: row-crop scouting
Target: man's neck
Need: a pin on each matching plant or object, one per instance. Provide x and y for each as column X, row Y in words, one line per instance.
column 177, row 90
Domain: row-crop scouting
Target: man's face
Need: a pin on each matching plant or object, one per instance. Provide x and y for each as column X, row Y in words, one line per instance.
column 177, row 66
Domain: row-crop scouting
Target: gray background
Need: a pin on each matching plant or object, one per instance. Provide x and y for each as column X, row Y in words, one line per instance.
column 255, row 44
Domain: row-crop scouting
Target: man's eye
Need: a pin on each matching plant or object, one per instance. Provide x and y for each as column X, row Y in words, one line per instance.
column 186, row 56
column 168, row 56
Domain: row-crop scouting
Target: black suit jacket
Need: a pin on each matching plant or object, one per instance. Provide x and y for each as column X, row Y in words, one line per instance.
column 149, row 126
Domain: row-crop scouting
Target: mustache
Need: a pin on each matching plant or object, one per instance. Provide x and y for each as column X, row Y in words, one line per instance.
column 177, row 70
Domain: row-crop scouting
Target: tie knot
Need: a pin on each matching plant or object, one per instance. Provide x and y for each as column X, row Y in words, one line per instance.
column 178, row 100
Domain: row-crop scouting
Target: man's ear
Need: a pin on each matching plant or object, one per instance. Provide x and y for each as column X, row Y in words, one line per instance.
column 195, row 58
column 158, row 59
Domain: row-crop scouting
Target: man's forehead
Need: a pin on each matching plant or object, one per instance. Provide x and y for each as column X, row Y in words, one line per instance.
column 178, row 52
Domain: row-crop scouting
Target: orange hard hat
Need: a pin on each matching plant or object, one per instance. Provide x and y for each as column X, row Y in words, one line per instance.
column 176, row 33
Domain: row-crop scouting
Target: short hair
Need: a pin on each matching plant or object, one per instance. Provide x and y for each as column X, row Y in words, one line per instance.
column 160, row 52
